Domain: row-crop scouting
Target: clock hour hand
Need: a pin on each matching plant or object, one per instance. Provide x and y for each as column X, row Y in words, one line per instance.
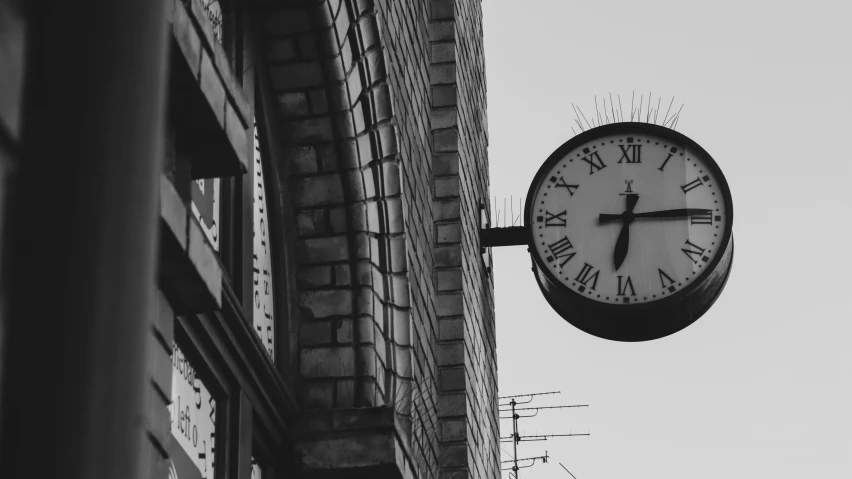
column 623, row 241
column 676, row 213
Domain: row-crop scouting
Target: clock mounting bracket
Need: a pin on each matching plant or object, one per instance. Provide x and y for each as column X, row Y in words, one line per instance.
column 507, row 236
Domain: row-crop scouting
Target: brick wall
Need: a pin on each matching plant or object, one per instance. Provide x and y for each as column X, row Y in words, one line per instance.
column 381, row 113
column 404, row 27
column 466, row 351
column 326, row 79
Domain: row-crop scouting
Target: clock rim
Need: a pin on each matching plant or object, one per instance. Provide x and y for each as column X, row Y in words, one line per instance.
column 623, row 128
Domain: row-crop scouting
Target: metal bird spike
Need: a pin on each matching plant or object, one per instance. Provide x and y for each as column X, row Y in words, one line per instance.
column 645, row 112
column 584, row 117
column 668, row 110
column 658, row 109
column 612, row 110
column 577, row 114
column 597, row 112
column 648, row 113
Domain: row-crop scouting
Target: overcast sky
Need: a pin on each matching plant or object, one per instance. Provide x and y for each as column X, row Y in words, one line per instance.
column 761, row 385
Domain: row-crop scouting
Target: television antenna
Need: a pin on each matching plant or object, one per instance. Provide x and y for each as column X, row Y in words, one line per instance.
column 515, row 468
column 526, row 412
column 566, row 470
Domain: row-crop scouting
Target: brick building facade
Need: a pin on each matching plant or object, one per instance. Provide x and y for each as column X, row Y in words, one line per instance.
column 323, row 307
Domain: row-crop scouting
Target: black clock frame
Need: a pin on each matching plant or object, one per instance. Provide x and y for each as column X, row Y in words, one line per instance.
column 637, row 321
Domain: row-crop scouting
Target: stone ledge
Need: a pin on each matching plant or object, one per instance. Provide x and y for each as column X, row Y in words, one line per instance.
column 223, row 65
column 163, row 323
column 209, row 72
column 190, row 273
column 352, row 443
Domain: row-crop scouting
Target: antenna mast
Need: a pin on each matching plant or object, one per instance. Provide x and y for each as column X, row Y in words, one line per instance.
column 512, row 406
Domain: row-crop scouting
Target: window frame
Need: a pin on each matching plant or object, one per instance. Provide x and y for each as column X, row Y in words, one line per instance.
column 255, row 393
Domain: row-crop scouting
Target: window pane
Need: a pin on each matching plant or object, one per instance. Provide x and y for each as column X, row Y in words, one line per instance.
column 205, row 207
column 193, row 422
column 264, row 309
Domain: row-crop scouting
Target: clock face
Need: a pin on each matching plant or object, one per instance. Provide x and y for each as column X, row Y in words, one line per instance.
column 630, row 215
column 264, row 307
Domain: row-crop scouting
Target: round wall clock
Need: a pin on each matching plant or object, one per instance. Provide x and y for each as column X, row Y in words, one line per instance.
column 629, row 229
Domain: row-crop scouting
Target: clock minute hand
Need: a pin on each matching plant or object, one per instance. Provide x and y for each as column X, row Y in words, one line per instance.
column 675, row 213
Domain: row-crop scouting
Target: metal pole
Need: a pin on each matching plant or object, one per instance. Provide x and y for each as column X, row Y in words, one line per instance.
column 80, row 256
column 515, row 436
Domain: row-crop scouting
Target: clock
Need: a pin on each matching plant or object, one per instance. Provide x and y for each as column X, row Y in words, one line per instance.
column 629, row 229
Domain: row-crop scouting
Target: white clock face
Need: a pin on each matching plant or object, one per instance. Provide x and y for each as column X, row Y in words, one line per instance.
column 628, row 218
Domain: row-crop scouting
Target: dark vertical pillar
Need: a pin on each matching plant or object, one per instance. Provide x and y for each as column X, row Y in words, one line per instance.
column 12, row 48
column 80, row 249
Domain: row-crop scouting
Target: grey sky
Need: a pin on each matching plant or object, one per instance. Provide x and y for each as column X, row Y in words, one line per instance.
column 761, row 386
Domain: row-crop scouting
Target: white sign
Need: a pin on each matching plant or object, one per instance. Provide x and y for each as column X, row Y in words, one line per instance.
column 193, row 415
column 256, row 471
column 264, row 321
column 213, row 10
column 205, row 207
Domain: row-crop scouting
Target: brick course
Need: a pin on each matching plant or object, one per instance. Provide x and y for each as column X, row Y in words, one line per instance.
column 465, row 302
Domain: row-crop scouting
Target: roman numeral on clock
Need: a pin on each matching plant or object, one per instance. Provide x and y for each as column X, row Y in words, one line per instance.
column 663, row 278
column 587, row 275
column 594, row 160
column 631, row 153
column 561, row 249
column 691, row 185
column 694, row 252
column 555, row 219
column 622, row 286
column 560, row 183
column 702, row 219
